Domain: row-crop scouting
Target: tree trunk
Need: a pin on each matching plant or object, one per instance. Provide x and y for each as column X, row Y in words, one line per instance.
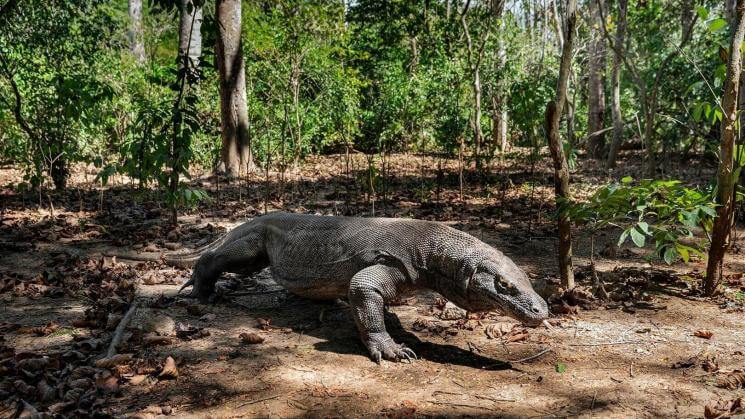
column 616, row 86
column 136, row 37
column 236, row 143
column 561, row 169
column 474, row 62
column 729, row 11
column 596, row 84
column 499, row 112
column 477, row 115
column 297, row 138
column 190, row 35
column 725, row 176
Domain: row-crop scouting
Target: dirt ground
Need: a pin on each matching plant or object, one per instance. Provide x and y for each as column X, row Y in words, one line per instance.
column 660, row 351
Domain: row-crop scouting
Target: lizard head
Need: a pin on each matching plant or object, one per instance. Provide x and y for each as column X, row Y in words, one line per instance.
column 498, row 283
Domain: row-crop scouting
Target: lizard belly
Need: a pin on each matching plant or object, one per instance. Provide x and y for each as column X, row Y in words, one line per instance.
column 319, row 288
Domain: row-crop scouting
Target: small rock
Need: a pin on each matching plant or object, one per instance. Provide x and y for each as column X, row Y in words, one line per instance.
column 207, row 317
column 452, row 312
column 150, row 321
column 251, row 338
column 172, row 245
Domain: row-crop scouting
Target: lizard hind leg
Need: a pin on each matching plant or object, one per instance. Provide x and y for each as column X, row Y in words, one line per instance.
column 369, row 289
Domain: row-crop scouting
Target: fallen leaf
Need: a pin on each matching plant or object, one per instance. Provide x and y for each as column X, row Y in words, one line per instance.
column 151, row 339
column 705, row 334
column 517, row 337
column 251, row 338
column 84, row 324
column 46, row 393
column 732, row 380
column 117, row 359
column 26, row 411
column 169, row 370
column 138, row 379
column 107, row 383
column 724, row 408
column 188, row 332
column 38, row 330
column 497, row 330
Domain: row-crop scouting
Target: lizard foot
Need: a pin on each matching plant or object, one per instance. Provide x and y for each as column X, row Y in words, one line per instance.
column 382, row 346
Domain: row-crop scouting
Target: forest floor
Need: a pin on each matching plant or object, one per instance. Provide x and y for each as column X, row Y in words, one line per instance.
column 656, row 349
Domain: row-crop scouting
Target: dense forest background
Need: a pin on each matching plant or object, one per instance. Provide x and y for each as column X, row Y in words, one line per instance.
column 596, row 143
column 96, row 84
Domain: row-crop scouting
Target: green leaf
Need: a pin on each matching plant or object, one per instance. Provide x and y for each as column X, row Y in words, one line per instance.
column 703, row 12
column 683, row 250
column 670, row 254
column 717, row 24
column 637, row 237
column 643, row 226
column 697, row 111
column 623, row 237
column 627, row 179
column 561, row 367
column 711, row 212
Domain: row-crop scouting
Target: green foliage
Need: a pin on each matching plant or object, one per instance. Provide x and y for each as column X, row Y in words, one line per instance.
column 50, row 84
column 661, row 211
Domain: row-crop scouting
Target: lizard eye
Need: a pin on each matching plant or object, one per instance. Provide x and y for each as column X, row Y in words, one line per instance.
column 503, row 283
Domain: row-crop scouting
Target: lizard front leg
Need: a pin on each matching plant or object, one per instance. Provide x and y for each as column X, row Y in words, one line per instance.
column 369, row 289
column 241, row 256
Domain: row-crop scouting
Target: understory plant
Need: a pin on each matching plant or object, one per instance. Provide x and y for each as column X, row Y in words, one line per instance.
column 662, row 212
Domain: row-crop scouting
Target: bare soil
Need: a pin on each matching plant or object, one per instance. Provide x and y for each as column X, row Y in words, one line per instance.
column 636, row 356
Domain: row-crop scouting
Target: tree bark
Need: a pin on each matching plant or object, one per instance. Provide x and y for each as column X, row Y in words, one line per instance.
column 725, row 177
column 554, row 111
column 499, row 112
column 474, row 63
column 729, row 11
column 596, row 84
column 236, row 143
column 136, row 37
column 190, row 35
column 616, row 86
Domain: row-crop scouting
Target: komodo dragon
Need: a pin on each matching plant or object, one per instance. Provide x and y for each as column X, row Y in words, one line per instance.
column 371, row 261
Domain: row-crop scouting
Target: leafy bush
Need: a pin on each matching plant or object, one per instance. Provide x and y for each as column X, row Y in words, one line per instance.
column 661, row 210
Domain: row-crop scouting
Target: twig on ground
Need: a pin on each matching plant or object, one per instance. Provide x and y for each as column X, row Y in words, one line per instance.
column 263, row 399
column 494, row 399
column 620, row 342
column 120, row 328
column 532, row 357
column 472, row 406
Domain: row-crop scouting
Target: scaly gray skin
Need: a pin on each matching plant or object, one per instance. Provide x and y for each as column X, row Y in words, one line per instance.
column 371, row 261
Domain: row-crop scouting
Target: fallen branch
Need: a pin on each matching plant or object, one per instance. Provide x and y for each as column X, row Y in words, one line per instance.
column 472, row 406
column 620, row 342
column 532, row 357
column 120, row 328
column 263, row 399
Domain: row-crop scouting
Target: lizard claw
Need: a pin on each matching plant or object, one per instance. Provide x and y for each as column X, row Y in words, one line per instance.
column 376, row 356
column 408, row 353
column 381, row 346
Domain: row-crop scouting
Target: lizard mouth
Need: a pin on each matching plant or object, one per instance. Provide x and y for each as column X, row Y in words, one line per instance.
column 532, row 313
